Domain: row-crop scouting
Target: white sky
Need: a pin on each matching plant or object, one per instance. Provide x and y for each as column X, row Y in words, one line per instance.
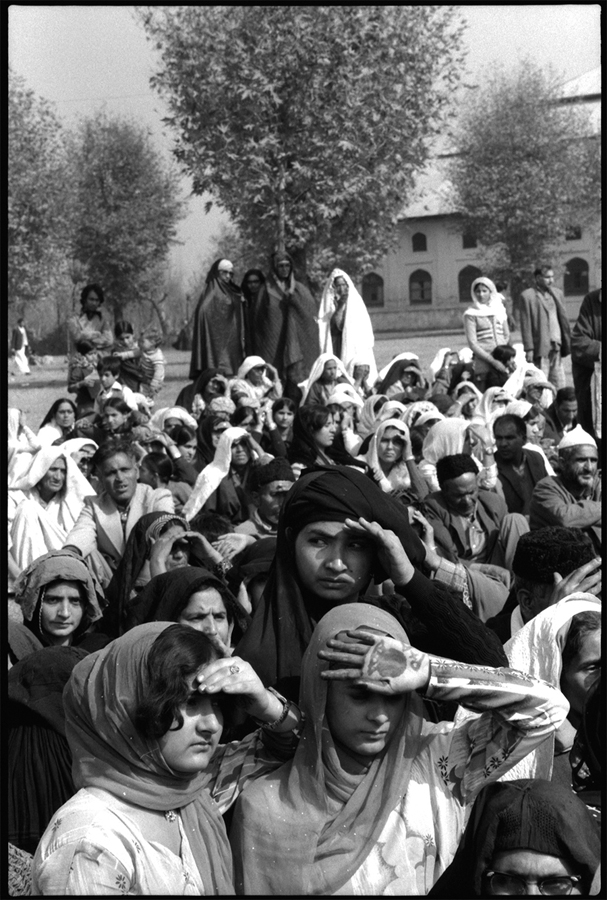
column 85, row 57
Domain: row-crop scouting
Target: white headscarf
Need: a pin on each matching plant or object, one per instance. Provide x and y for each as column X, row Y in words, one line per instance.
column 369, row 417
column 405, row 355
column 438, row 362
column 250, row 362
column 495, row 307
column 172, row 412
column 345, row 393
column 487, row 410
column 317, row 370
column 212, row 475
column 416, row 409
column 357, row 336
column 398, row 476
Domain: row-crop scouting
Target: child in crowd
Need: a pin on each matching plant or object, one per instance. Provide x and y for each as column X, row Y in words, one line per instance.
column 151, row 362
column 109, row 370
column 504, row 354
column 82, row 377
column 126, row 350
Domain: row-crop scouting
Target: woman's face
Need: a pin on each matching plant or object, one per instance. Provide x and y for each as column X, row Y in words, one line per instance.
column 215, row 388
column 113, row 419
column 332, row 563
column 188, row 450
column 179, row 555
column 329, row 373
column 325, row 435
column 189, row 749
column 83, row 459
column 253, row 283
column 218, row 430
column 248, row 423
column 390, row 446
column 255, row 375
column 517, row 870
column 482, row 293
column 206, row 612
column 92, row 302
column 535, row 428
column 360, row 373
column 54, row 479
column 361, row 721
column 240, row 453
column 580, row 673
column 283, row 268
column 284, row 417
column 61, row 611
column 340, row 286
column 64, row 417
column 469, row 404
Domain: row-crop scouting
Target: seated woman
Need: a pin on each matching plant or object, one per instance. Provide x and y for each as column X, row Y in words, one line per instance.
column 493, row 402
column 195, row 397
column 210, row 428
column 277, row 434
column 153, row 778
column 456, row 435
column 369, row 415
column 390, row 459
column 506, row 355
column 255, row 380
column 337, row 533
column 193, row 596
column 468, row 396
column 159, row 542
column 157, row 470
column 426, row 420
column 82, row 451
column 375, row 799
column 317, row 440
column 327, row 371
column 360, row 373
column 523, row 833
column 221, row 487
column 58, row 422
column 169, row 417
column 60, row 601
column 410, row 385
column 390, row 372
column 38, row 757
column 44, row 504
column 345, row 405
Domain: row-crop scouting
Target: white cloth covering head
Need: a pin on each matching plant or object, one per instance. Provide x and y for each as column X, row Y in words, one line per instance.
column 212, row 475
column 398, row 477
column 225, row 265
column 495, row 307
column 577, row 437
column 444, row 439
column 369, row 416
column 357, row 340
column 172, row 412
column 317, row 370
column 465, row 355
column 430, row 416
column 344, row 394
column 489, row 407
column 75, row 487
column 518, row 408
column 416, row 409
column 250, row 362
column 439, row 361
column 405, row 355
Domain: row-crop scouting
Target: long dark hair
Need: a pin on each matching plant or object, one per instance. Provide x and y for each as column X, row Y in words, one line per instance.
column 52, row 411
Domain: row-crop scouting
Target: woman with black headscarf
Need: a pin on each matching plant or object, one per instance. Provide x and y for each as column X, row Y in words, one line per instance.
column 257, row 314
column 195, row 397
column 337, row 532
column 292, row 332
column 218, row 323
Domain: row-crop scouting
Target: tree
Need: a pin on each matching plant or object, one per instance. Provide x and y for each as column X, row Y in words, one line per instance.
column 307, row 123
column 528, row 169
column 39, row 201
column 128, row 206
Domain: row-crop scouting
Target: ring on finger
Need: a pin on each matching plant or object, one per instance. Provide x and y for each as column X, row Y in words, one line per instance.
column 234, row 670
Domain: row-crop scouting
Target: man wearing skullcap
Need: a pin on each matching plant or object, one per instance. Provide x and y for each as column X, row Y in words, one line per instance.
column 270, row 485
column 572, row 498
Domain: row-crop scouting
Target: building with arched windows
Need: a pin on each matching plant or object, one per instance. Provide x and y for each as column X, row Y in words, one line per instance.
column 424, row 283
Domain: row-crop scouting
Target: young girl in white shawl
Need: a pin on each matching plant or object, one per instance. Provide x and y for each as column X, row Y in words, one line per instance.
column 485, row 326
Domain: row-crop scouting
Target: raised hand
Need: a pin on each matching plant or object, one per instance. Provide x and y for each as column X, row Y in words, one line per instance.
column 390, row 551
column 376, row 661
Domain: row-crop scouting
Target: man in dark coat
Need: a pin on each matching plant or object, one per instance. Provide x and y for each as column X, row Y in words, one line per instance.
column 544, row 326
column 585, row 348
column 519, row 469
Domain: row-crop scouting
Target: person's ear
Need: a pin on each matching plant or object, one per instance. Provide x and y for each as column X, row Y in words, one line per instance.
column 526, row 602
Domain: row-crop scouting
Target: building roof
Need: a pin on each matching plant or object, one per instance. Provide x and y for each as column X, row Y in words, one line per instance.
column 434, row 194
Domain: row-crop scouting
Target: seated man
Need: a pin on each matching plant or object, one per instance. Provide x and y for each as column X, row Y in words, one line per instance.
column 573, row 498
column 269, row 486
column 518, row 468
column 107, row 519
column 471, row 525
column 561, row 415
column 549, row 564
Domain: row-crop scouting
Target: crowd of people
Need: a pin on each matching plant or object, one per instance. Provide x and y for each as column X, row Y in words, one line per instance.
column 317, row 628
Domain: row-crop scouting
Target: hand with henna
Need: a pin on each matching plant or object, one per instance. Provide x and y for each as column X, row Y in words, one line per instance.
column 377, row 662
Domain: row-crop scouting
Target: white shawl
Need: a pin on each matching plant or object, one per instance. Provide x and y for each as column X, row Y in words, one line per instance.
column 357, row 337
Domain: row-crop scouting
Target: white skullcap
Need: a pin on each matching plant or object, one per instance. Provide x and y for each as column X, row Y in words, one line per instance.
column 225, row 265
column 577, row 437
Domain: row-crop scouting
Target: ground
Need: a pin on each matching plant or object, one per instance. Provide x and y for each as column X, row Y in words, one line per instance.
column 34, row 394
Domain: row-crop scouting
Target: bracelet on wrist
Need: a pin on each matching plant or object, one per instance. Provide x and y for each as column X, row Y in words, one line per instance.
column 286, row 706
column 222, row 568
column 409, row 459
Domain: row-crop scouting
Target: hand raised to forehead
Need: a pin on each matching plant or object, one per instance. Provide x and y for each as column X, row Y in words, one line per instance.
column 377, row 662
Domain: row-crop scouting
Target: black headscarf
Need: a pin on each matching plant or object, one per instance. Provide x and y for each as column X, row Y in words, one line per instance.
column 243, row 285
column 282, row 624
column 185, row 397
column 165, row 596
column 205, row 451
column 530, row 814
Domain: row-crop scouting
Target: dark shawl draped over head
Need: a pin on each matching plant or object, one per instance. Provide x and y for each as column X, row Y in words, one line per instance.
column 110, row 753
column 166, row 596
column 205, row 451
column 38, row 756
column 292, row 341
column 218, row 338
column 282, row 624
column 186, row 395
column 258, row 318
column 136, row 552
column 530, row 814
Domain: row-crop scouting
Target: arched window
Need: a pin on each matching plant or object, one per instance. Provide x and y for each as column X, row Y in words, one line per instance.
column 464, row 282
column 420, row 287
column 419, row 242
column 576, row 277
column 373, row 289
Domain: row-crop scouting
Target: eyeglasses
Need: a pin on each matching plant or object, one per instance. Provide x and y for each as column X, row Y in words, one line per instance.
column 505, row 885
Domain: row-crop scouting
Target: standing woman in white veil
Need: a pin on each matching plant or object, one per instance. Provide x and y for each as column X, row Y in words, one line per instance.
column 344, row 324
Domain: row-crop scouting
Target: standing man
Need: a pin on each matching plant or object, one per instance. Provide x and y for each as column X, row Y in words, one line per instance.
column 585, row 353
column 19, row 344
column 544, row 326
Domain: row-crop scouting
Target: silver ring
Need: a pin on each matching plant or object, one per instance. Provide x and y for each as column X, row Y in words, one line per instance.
column 234, row 670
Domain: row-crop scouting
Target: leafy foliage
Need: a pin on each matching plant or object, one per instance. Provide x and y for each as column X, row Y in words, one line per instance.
column 128, row 206
column 307, row 123
column 529, row 168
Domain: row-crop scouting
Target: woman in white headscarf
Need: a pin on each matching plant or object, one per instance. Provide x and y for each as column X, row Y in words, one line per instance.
column 327, row 371
column 485, row 326
column 344, row 325
column 451, row 436
column 492, row 403
column 391, row 461
column 44, row 504
column 255, row 380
